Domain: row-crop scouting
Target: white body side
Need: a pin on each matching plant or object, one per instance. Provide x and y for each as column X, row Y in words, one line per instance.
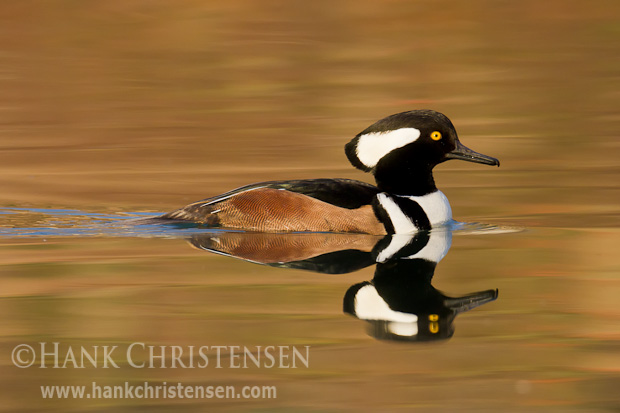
column 435, row 205
column 401, row 223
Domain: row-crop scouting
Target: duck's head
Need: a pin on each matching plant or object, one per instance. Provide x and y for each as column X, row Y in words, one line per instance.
column 402, row 149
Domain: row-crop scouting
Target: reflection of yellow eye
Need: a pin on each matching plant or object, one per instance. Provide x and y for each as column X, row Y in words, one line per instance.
column 433, row 326
column 436, row 136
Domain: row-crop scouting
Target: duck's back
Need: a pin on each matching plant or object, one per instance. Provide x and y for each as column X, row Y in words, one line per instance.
column 317, row 205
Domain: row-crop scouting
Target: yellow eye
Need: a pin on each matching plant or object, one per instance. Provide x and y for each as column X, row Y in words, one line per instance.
column 436, row 136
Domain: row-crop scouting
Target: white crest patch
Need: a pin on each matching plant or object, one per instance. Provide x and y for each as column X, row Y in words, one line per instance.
column 401, row 223
column 371, row 147
column 435, row 205
column 370, row 306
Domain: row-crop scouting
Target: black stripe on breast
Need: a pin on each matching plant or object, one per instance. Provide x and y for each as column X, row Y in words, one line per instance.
column 410, row 208
column 413, row 211
column 382, row 216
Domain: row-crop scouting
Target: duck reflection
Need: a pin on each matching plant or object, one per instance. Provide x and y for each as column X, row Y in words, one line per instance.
column 399, row 303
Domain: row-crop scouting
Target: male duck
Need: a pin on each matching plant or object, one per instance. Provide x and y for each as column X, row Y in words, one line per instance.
column 400, row 150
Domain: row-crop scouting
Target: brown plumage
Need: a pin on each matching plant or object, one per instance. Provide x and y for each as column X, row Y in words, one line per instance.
column 275, row 210
column 267, row 248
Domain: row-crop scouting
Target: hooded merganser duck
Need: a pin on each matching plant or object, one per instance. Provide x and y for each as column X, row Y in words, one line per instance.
column 400, row 150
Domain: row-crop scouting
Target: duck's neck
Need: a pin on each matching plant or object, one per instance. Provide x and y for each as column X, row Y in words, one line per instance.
column 412, row 180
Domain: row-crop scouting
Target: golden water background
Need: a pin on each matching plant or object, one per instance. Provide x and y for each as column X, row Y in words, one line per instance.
column 144, row 106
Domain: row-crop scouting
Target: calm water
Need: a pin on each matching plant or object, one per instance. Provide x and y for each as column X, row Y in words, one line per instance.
column 117, row 110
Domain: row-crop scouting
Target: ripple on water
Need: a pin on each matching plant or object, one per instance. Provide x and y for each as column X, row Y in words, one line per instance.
column 41, row 222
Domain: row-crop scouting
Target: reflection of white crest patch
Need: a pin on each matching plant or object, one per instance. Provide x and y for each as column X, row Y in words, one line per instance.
column 371, row 147
column 403, row 329
column 370, row 306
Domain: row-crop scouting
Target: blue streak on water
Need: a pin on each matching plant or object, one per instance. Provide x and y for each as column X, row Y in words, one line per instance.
column 76, row 223
column 72, row 223
column 75, row 212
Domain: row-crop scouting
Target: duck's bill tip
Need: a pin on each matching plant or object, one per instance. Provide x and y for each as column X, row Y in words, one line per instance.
column 463, row 153
column 471, row 301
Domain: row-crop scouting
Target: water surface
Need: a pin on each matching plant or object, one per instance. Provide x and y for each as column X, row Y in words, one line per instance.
column 116, row 110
